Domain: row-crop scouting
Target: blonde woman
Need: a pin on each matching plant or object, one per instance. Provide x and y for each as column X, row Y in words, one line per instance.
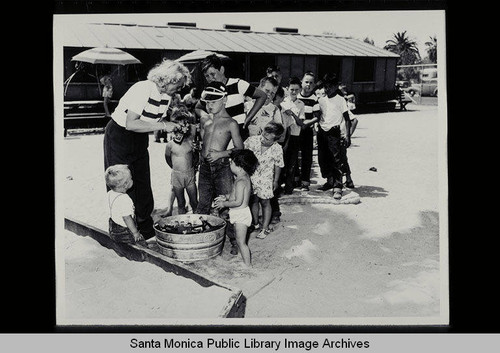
column 141, row 110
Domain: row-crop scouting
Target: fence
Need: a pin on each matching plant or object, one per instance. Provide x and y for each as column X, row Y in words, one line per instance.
column 418, row 80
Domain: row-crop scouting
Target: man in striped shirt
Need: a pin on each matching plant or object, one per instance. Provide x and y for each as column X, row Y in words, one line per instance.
column 312, row 114
column 237, row 90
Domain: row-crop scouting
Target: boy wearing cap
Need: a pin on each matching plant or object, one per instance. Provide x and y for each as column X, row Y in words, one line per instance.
column 217, row 130
column 237, row 89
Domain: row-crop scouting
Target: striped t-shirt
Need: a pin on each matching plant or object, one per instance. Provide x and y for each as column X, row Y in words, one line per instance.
column 144, row 99
column 237, row 89
column 311, row 105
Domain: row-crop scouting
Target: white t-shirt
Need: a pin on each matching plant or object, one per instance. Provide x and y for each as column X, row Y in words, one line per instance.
column 144, row 99
column 332, row 111
column 296, row 107
column 120, row 205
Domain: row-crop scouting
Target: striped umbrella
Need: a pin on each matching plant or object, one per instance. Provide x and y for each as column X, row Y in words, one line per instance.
column 112, row 56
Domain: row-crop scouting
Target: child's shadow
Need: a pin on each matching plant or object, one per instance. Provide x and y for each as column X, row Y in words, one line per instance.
column 370, row 191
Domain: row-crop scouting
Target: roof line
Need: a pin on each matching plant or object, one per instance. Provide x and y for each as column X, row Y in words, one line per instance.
column 219, row 29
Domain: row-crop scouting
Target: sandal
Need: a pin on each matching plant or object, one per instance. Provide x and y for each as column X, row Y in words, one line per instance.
column 264, row 233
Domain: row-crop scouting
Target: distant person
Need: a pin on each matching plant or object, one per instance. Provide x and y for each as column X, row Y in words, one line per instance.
column 141, row 110
column 269, row 112
column 274, row 72
column 243, row 165
column 334, row 110
column 122, row 225
column 180, row 156
column 285, row 121
column 292, row 109
column 312, row 114
column 351, row 105
column 237, row 90
column 107, row 93
column 218, row 129
column 191, row 99
column 265, row 180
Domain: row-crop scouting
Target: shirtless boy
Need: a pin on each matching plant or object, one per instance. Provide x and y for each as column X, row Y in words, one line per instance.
column 217, row 130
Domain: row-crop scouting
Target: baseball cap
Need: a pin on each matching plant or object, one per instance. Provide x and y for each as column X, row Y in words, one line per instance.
column 214, row 91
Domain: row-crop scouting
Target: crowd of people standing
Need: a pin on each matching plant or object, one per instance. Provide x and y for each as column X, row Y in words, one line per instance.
column 241, row 142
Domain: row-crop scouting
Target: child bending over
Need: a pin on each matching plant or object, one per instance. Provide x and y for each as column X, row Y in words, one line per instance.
column 122, row 226
column 243, row 165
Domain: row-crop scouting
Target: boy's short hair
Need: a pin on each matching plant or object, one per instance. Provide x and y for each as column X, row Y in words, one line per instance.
column 280, row 92
column 330, row 79
column 181, row 113
column 245, row 159
column 272, row 68
column 294, row 81
column 309, row 73
column 274, row 128
column 269, row 79
column 116, row 175
column 211, row 61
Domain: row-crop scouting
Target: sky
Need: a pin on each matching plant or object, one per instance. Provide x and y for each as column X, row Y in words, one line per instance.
column 379, row 26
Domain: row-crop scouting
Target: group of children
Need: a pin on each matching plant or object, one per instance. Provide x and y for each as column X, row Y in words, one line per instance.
column 247, row 180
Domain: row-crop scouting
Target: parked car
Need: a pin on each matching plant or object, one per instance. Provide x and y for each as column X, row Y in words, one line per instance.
column 403, row 84
column 428, row 85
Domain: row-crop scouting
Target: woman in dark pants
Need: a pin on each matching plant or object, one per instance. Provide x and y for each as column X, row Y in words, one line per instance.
column 140, row 111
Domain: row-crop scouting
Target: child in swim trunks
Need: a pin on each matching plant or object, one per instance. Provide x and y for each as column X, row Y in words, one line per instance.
column 243, row 165
column 179, row 154
column 265, row 180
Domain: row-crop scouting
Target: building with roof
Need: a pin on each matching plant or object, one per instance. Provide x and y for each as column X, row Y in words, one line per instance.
column 367, row 71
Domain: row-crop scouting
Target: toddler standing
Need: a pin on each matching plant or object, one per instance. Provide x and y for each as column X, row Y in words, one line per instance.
column 243, row 165
column 180, row 156
column 122, row 225
column 266, row 176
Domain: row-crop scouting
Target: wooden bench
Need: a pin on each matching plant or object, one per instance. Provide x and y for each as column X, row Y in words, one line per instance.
column 403, row 99
column 85, row 114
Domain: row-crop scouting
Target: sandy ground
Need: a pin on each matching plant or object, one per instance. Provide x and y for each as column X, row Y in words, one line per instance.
column 377, row 261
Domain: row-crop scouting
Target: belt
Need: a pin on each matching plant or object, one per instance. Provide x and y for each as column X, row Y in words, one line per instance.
column 220, row 160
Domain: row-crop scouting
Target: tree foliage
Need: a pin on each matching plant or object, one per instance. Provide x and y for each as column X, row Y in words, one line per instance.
column 405, row 47
column 431, row 49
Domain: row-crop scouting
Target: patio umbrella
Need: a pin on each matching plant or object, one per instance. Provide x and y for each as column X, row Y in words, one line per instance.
column 198, row 55
column 112, row 56
column 102, row 55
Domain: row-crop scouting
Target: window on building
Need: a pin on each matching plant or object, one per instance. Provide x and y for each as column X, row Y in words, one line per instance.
column 329, row 64
column 364, row 69
column 258, row 66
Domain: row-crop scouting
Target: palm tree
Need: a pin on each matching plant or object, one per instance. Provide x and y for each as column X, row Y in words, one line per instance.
column 432, row 49
column 405, row 47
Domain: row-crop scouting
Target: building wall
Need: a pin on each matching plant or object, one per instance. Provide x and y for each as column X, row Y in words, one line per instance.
column 250, row 67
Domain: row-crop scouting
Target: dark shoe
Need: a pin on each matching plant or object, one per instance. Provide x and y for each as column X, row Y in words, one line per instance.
column 304, row 188
column 288, row 192
column 325, row 187
column 349, row 184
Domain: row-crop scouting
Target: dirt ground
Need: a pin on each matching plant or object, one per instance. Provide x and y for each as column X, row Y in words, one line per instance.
column 379, row 261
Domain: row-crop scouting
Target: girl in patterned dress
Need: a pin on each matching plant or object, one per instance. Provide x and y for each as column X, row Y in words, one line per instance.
column 265, row 178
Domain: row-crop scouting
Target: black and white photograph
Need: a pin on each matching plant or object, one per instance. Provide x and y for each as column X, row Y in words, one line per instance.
column 277, row 168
